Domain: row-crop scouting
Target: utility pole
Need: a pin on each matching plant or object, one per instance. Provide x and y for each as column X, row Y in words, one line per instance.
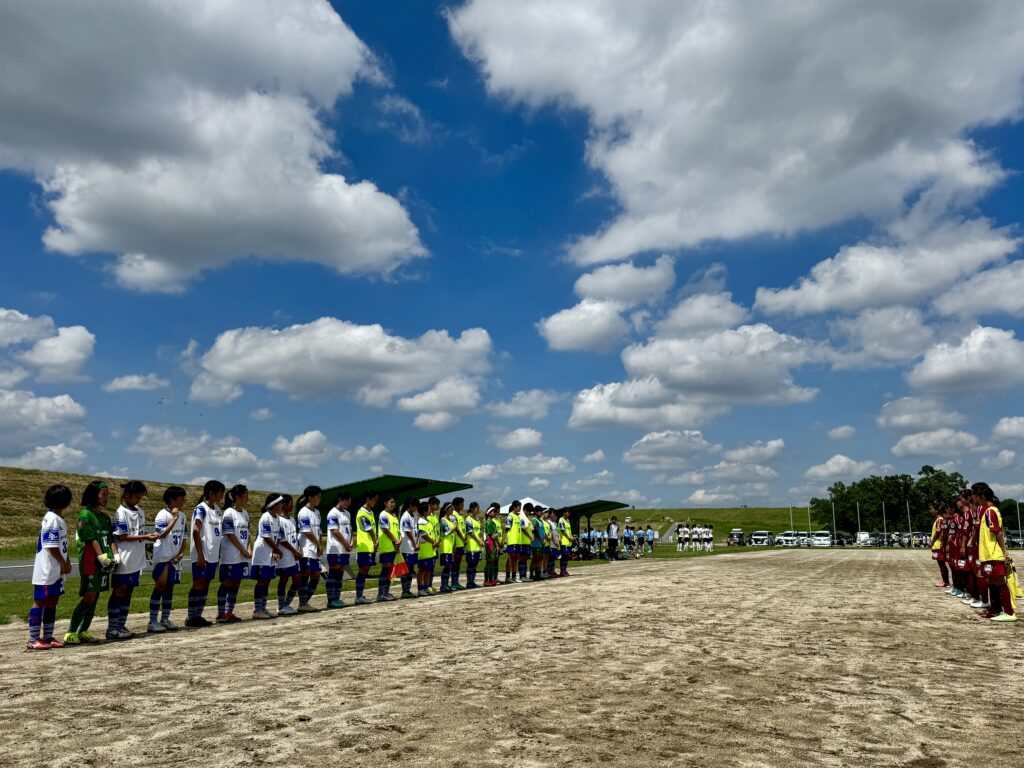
column 885, row 528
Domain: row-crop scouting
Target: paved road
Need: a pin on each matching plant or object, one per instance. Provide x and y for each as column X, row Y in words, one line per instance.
column 21, row 570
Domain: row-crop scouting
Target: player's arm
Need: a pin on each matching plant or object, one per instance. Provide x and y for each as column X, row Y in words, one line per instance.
column 310, row 536
column 197, row 541
column 475, row 537
column 233, row 538
column 387, row 532
column 168, row 528
column 54, row 550
column 288, row 545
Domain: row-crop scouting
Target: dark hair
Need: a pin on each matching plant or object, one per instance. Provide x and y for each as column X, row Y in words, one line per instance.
column 458, row 500
column 174, row 492
column 57, row 497
column 423, row 508
column 91, row 494
column 212, row 487
column 516, row 504
column 366, row 498
column 433, row 500
column 409, row 503
column 308, row 493
column 984, row 491
column 270, row 497
column 131, row 487
column 528, row 507
column 287, row 498
column 343, row 496
column 390, row 497
column 473, row 505
column 234, row 494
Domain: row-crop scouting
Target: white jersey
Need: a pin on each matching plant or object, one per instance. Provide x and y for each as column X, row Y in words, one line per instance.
column 234, row 521
column 166, row 549
column 408, row 524
column 686, row 532
column 53, row 534
column 209, row 518
column 130, row 522
column 290, row 533
column 341, row 521
column 308, row 521
column 269, row 528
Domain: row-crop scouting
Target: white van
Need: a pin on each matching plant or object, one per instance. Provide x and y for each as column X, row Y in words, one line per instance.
column 761, row 539
column 821, row 539
column 787, row 539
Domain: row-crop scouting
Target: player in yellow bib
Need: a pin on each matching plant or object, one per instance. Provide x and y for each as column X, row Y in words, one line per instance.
column 938, row 543
column 565, row 542
column 459, row 518
column 388, row 527
column 428, row 549
column 366, row 544
column 992, row 554
column 448, row 533
column 513, row 547
column 474, row 544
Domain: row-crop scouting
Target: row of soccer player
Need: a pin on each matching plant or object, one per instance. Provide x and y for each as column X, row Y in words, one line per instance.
column 696, row 539
column 969, row 546
column 410, row 543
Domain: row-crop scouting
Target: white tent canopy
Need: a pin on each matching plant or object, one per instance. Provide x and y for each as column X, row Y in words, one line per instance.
column 524, row 501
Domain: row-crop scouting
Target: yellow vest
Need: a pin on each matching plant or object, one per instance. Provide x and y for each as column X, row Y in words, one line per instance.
column 384, row 544
column 988, row 546
column 447, row 539
column 477, row 528
column 937, row 543
column 460, row 524
column 548, row 528
column 426, row 548
column 565, row 531
column 364, row 541
column 513, row 531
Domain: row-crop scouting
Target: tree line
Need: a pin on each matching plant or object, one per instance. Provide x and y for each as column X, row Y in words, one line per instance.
column 896, row 491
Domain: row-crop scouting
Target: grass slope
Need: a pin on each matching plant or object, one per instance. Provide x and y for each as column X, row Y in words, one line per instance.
column 774, row 519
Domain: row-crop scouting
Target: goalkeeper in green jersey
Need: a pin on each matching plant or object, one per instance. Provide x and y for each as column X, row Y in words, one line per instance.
column 97, row 559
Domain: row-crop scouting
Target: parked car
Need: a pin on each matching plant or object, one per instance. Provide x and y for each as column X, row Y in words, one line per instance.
column 786, row 539
column 843, row 539
column 821, row 539
column 761, row 539
column 735, row 538
column 1015, row 539
column 920, row 539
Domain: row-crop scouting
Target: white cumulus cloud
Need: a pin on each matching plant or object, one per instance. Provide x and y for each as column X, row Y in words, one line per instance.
column 61, row 357
column 841, row 467
column 537, row 464
column 525, row 404
column 628, row 284
column 758, row 451
column 917, row 414
column 944, row 443
column 667, row 449
column 594, row 325
column 135, row 382
column 520, row 439
column 595, row 457
column 844, row 432
column 310, row 449
column 985, row 359
column 1009, row 428
column 60, row 457
column 27, row 419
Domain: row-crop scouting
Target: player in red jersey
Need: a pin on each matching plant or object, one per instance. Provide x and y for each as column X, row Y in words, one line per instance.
column 938, row 546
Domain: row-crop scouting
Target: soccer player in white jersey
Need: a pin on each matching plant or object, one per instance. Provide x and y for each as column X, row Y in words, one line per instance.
column 205, row 537
column 235, row 552
column 131, row 536
column 308, row 523
column 265, row 553
column 168, row 550
column 288, row 564
column 709, row 538
column 48, row 571
column 339, row 548
column 409, row 547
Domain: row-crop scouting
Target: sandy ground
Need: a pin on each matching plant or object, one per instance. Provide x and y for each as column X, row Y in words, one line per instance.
column 816, row 658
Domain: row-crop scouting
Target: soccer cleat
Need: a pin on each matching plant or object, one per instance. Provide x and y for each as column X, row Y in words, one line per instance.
column 336, row 604
column 363, row 601
column 948, row 590
column 432, row 591
column 125, row 634
column 37, row 645
column 409, row 596
column 155, row 628
column 458, row 587
column 261, row 615
column 1005, row 617
column 987, row 613
column 232, row 619
column 113, row 634
column 54, row 642
column 307, row 608
column 563, row 574
column 473, row 586
column 222, row 618
column 88, row 638
column 170, row 626
column 978, row 604
column 941, row 584
column 71, row 638
column 967, row 600
column 286, row 610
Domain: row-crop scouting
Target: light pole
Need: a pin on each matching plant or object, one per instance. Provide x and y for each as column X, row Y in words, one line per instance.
column 885, row 528
column 834, row 534
column 910, row 528
column 858, row 523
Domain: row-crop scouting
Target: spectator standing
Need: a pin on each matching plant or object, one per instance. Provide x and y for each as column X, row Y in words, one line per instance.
column 613, row 539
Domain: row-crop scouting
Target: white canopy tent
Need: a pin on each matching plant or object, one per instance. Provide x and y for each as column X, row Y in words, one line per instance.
column 524, row 501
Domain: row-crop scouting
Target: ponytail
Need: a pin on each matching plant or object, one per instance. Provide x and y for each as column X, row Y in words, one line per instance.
column 236, row 492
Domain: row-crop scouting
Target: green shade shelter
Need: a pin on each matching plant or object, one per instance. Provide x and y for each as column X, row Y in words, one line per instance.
column 402, row 487
column 590, row 508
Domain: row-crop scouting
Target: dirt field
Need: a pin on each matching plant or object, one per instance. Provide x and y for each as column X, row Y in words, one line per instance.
column 817, row 658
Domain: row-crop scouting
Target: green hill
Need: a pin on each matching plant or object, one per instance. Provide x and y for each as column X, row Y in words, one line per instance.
column 774, row 519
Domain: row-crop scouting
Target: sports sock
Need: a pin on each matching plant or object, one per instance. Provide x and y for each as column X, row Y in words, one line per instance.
column 383, row 580
column 360, row 584
column 113, row 611
column 260, row 596
column 49, row 619
column 995, row 599
column 90, row 611
column 35, row 623
column 222, row 597
column 1004, row 598
column 334, row 585
column 944, row 572
column 281, row 586
column 444, row 578
column 292, row 589
column 983, row 591
column 77, row 617
column 154, row 605
column 231, row 598
column 126, row 605
column 166, row 603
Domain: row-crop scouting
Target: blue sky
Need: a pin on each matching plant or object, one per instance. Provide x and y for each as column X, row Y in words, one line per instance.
column 677, row 256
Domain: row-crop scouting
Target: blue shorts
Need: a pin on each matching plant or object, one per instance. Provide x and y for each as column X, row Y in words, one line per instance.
column 425, row 563
column 311, row 564
column 46, row 591
column 386, row 558
column 125, row 579
column 233, row 571
column 206, row 574
column 566, row 551
column 459, row 551
column 288, row 570
column 337, row 560
column 366, row 558
column 261, row 572
column 553, row 551
column 173, row 575
column 446, row 559
column 411, row 559
column 473, row 557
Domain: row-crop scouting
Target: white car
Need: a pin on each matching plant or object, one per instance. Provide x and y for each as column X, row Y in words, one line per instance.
column 761, row 539
column 787, row 539
column 821, row 539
